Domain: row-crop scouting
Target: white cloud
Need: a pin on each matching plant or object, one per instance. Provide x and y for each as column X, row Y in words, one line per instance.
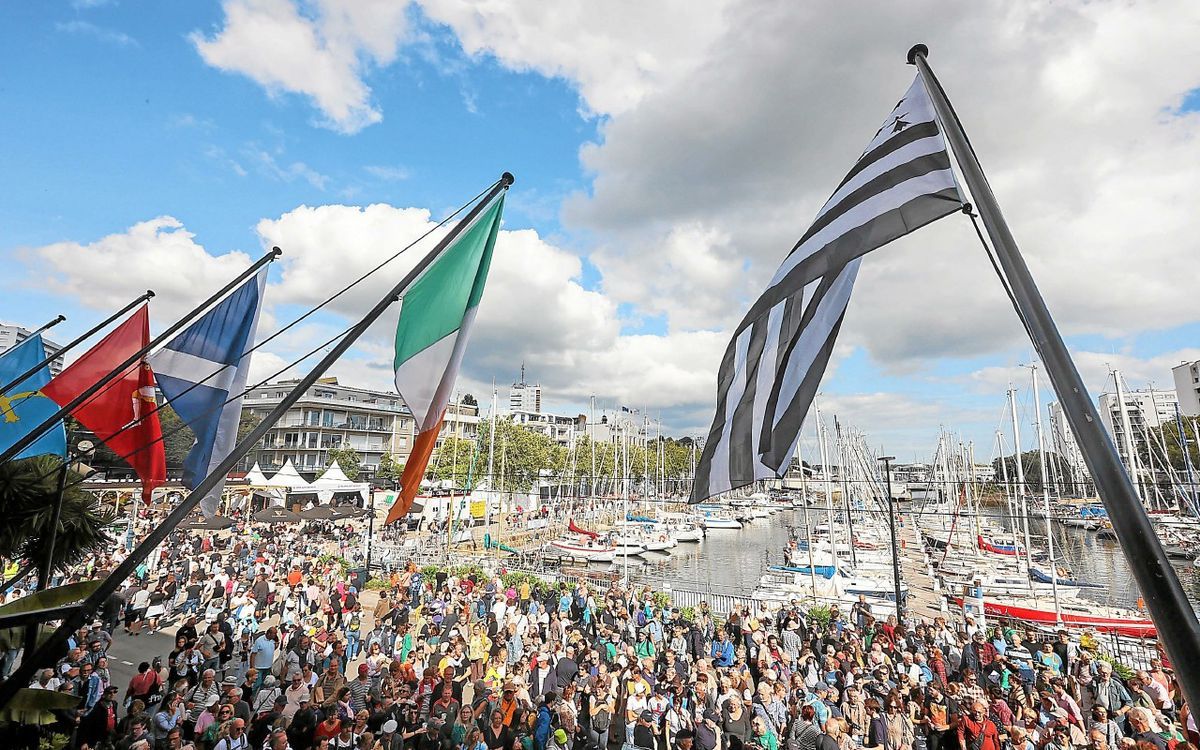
column 319, row 50
column 713, row 158
column 534, row 310
column 1096, row 370
column 158, row 254
column 106, row 35
column 292, row 172
column 1094, row 174
column 387, row 173
column 615, row 52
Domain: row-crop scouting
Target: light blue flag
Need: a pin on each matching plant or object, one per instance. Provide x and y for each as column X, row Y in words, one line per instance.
column 24, row 407
column 201, row 369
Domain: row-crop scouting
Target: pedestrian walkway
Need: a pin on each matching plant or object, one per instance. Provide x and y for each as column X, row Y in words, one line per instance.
column 925, row 597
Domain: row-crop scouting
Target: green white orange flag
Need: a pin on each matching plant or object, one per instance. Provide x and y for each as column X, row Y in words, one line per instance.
column 436, row 318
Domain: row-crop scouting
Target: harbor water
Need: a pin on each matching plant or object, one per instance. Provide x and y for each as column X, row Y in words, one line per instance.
column 733, row 560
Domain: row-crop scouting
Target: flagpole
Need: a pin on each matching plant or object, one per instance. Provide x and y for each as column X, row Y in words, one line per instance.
column 30, row 437
column 78, row 339
column 23, row 675
column 1173, row 616
column 39, row 365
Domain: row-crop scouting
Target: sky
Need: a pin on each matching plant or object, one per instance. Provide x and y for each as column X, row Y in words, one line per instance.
column 667, row 155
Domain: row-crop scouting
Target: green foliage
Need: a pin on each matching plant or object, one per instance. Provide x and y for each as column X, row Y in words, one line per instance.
column 1031, row 462
column 643, row 462
column 1168, row 435
column 178, row 438
column 390, row 470
column 688, row 613
column 348, row 458
column 246, row 425
column 661, row 599
column 1119, row 669
column 452, row 461
column 378, row 584
column 819, row 617
column 539, row 587
column 53, row 741
column 28, row 492
column 342, row 563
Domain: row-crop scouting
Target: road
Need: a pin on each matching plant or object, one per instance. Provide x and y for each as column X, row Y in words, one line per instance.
column 128, row 651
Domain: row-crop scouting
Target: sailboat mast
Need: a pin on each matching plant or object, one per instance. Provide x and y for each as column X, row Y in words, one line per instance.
column 487, row 508
column 1020, row 464
column 1131, row 461
column 812, row 574
column 1037, row 410
column 822, row 438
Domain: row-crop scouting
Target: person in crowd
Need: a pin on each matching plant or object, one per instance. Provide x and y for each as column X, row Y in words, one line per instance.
column 273, row 646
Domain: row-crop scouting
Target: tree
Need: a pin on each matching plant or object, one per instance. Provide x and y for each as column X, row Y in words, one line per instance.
column 521, row 456
column 468, row 399
column 177, row 441
column 347, row 458
column 390, row 470
column 28, row 492
column 1031, row 462
column 1168, row 434
column 452, row 461
column 178, row 438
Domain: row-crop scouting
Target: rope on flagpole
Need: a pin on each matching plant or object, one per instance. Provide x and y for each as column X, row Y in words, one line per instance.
column 286, row 328
column 969, row 211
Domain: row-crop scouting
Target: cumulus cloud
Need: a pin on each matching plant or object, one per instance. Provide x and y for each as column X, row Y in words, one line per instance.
column 616, row 53
column 534, row 310
column 319, row 49
column 1085, row 149
column 105, row 274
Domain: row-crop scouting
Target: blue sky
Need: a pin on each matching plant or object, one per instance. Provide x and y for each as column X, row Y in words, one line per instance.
column 665, row 161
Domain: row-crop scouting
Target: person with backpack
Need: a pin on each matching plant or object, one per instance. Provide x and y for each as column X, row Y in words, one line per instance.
column 545, row 718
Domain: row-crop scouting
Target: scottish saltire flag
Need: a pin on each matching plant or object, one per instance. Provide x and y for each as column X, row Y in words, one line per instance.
column 203, row 368
column 436, row 317
column 772, row 367
column 24, row 407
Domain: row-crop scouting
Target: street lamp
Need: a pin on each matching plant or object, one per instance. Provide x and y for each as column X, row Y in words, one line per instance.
column 887, row 469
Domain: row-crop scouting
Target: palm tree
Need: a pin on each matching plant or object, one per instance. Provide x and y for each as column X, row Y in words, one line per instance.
column 28, row 493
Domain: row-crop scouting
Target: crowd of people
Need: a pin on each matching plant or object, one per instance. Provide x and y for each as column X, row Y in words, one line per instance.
column 274, row 647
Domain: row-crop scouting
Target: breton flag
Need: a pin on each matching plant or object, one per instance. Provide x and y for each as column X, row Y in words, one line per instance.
column 435, row 323
column 123, row 414
column 774, row 363
column 25, row 406
column 203, row 372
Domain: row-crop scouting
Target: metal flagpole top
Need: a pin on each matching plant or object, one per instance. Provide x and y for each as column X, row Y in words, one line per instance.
column 917, row 49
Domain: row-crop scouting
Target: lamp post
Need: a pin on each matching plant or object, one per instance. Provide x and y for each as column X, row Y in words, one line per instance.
column 887, row 470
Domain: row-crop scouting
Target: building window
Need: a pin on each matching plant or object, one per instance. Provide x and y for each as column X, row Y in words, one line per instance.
column 327, row 419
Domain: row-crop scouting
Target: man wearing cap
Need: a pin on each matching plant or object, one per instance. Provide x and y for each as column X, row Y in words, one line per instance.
column 542, row 679
column 362, row 689
column 100, row 724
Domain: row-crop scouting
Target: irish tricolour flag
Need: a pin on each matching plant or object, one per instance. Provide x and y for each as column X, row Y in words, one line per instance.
column 436, row 317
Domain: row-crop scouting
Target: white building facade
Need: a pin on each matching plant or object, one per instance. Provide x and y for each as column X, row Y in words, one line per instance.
column 1187, row 387
column 11, row 335
column 330, row 415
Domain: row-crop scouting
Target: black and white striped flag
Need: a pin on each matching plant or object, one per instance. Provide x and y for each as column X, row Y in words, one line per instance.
column 773, row 365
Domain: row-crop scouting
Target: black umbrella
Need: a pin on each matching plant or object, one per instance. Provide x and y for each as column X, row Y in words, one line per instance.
column 216, row 523
column 319, row 513
column 276, row 514
column 350, row 511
